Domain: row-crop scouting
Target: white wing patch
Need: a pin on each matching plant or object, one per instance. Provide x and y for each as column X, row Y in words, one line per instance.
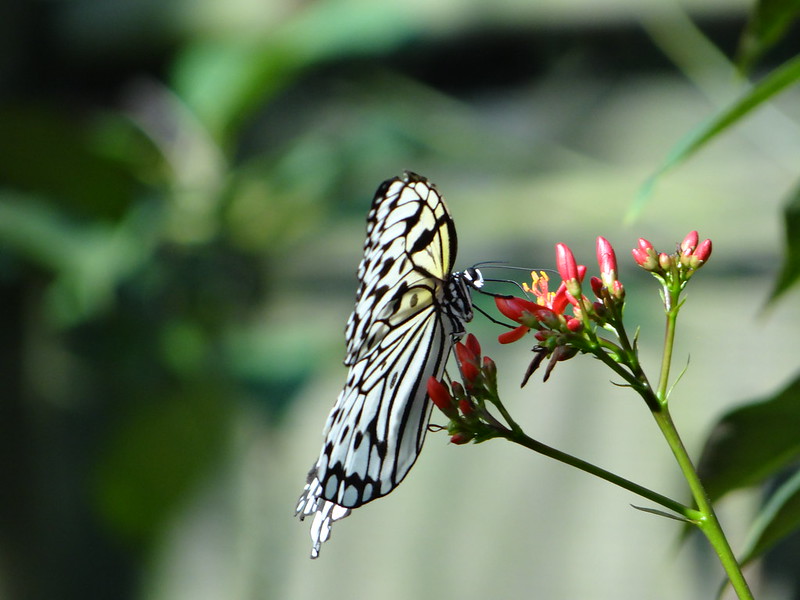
column 410, row 308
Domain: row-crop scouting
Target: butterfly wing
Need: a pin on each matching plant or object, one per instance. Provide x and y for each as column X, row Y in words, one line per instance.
column 398, row 336
column 410, row 238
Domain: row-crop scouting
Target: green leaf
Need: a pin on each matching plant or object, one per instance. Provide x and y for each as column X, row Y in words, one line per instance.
column 779, row 517
column 790, row 272
column 768, row 23
column 661, row 513
column 752, row 442
column 778, row 80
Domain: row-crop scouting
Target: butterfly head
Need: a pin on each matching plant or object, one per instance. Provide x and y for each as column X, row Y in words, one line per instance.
column 473, row 277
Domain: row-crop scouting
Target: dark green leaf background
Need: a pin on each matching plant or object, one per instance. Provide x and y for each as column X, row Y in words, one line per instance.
column 753, row 442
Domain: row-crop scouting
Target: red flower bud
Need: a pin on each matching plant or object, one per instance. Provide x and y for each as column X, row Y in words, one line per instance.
column 703, row 250
column 464, row 354
column 468, row 362
column 465, row 407
column 490, row 372
column 664, row 261
column 597, row 286
column 469, row 372
column 460, row 438
column 689, row 243
column 574, row 324
column 565, row 262
column 641, row 258
column 645, row 255
column 606, row 259
column 472, row 344
column 440, row 396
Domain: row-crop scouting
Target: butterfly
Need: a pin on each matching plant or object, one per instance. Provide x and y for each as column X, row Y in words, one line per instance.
column 410, row 310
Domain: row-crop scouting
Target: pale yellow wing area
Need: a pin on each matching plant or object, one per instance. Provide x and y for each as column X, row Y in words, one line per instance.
column 408, row 255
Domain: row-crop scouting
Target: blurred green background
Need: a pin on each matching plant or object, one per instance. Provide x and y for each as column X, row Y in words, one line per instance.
column 183, row 187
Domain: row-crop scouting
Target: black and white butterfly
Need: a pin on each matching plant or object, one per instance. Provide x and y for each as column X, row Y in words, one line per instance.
column 410, row 309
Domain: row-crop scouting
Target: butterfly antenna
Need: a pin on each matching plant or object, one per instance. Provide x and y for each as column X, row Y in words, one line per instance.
column 509, row 281
column 499, row 264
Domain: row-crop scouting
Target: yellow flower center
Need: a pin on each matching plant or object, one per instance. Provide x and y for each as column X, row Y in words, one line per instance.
column 539, row 288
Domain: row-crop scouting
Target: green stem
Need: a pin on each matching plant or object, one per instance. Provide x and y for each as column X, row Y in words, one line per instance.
column 516, row 430
column 518, row 437
column 635, row 377
column 671, row 301
column 708, row 522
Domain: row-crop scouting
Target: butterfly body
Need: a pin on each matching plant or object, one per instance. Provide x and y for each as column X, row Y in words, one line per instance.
column 410, row 309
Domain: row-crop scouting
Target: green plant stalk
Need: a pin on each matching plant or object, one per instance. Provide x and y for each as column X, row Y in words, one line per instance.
column 708, row 522
column 518, row 437
column 672, row 306
column 516, row 430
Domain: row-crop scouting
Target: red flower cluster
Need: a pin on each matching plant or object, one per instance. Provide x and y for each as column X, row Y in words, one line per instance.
column 689, row 257
column 566, row 323
column 462, row 404
column 548, row 313
column 673, row 270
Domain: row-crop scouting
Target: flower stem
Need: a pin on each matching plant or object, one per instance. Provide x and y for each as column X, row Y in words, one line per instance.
column 518, row 437
column 672, row 307
column 707, row 521
column 659, row 406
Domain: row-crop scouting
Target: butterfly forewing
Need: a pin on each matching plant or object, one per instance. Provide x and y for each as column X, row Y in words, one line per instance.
column 411, row 241
column 409, row 309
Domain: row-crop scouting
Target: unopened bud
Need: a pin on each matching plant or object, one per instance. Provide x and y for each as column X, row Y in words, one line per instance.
column 460, row 438
column 565, row 262
column 574, row 324
column 440, row 396
column 703, row 250
column 472, row 343
column 645, row 255
column 465, row 406
column 607, row 261
column 689, row 243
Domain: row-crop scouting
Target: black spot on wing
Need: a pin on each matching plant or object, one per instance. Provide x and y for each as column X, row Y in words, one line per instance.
column 379, row 293
column 424, row 240
column 385, row 268
column 380, row 448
